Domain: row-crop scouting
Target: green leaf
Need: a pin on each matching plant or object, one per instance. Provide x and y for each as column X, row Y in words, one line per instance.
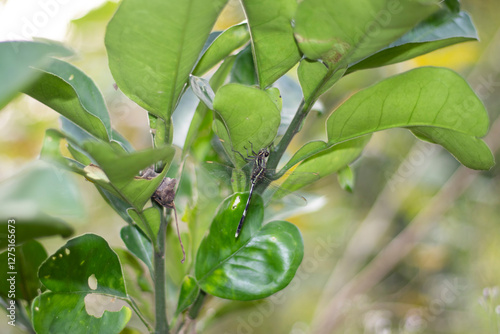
column 138, row 244
column 34, row 198
column 153, row 71
column 67, row 90
column 424, row 97
column 244, row 68
column 274, row 46
column 305, row 152
column 216, row 81
column 346, row 178
column 228, row 41
column 325, row 162
column 442, row 29
column 66, row 313
column 470, row 151
column 120, row 166
column 262, row 261
column 148, row 221
column 245, row 115
column 28, row 257
column 347, row 31
column 18, row 58
column 315, row 78
column 188, row 293
column 201, row 88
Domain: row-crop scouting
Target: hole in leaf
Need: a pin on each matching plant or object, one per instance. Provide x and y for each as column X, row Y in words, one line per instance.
column 96, row 304
column 92, row 282
column 67, row 251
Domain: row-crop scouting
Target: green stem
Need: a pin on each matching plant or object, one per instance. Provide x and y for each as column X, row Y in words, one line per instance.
column 195, row 309
column 297, row 121
column 161, row 325
column 137, row 311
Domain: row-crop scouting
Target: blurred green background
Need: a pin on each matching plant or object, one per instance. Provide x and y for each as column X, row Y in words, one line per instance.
column 440, row 275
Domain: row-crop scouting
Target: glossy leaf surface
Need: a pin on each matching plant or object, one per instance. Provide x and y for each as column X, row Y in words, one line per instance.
column 260, row 262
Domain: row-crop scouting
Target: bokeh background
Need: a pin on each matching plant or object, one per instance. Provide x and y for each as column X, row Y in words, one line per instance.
column 415, row 248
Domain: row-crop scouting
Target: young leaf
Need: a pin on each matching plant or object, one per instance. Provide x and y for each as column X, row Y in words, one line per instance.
column 18, row 58
column 153, row 71
column 323, row 163
column 74, row 95
column 442, row 29
column 188, row 293
column 347, row 31
column 424, row 97
column 262, row 261
column 247, row 116
column 346, row 178
column 228, row 41
column 271, row 31
column 201, row 88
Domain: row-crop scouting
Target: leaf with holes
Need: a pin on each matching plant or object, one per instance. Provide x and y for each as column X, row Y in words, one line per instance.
column 85, row 265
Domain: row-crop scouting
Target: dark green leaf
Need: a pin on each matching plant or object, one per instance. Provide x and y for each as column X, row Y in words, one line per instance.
column 262, row 261
column 424, row 97
column 24, row 271
column 18, row 58
column 187, row 295
column 138, row 244
column 228, row 41
column 244, row 68
column 74, row 95
column 274, row 46
column 153, row 71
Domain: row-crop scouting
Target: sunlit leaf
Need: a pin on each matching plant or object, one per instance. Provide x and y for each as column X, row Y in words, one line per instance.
column 347, row 31
column 272, row 37
column 153, row 71
column 424, row 97
column 74, row 95
column 442, row 29
column 228, row 41
column 248, row 117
